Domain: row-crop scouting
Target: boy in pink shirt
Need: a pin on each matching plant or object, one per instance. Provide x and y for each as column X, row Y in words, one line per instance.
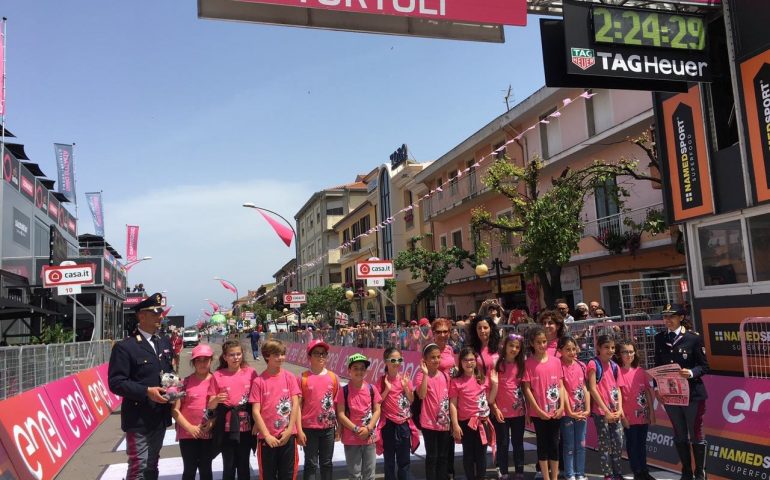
column 317, row 428
column 275, row 407
column 358, row 410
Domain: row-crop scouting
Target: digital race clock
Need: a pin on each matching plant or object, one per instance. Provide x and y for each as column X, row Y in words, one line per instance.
column 647, row 28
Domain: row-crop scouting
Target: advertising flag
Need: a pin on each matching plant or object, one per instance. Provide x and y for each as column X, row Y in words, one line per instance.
column 66, row 170
column 132, row 240
column 229, row 286
column 283, row 231
column 97, row 211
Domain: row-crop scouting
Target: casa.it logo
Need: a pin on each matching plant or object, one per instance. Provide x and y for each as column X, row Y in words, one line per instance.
column 739, row 456
column 737, row 402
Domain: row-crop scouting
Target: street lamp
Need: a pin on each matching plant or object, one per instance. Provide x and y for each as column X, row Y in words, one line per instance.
column 129, row 265
column 360, row 293
column 481, row 270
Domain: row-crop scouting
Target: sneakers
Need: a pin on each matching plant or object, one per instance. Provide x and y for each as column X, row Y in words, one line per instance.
column 581, row 477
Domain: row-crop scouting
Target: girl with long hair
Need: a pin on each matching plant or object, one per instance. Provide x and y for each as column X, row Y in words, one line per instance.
column 508, row 411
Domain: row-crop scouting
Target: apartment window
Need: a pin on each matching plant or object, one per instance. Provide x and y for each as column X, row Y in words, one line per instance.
column 439, row 182
column 334, row 211
column 357, row 241
column 722, row 255
column 409, row 215
column 453, row 182
column 442, row 241
column 349, row 275
column 364, row 224
column 472, row 186
column 501, row 154
column 42, row 240
column 451, row 312
column 607, row 209
column 550, row 135
column 506, row 238
column 335, row 277
column 387, row 232
column 346, row 236
column 457, row 238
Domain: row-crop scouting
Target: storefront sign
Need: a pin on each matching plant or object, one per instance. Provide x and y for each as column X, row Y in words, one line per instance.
column 21, row 228
column 27, row 183
column 686, row 156
column 511, row 284
column 755, row 74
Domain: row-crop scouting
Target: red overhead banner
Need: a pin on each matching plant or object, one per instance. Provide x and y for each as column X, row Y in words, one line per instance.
column 499, row 12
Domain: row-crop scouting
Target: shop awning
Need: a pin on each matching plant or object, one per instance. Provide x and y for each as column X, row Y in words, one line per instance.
column 17, row 150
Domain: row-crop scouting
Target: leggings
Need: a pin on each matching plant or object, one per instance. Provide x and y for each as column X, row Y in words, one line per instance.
column 474, row 453
column 235, row 457
column 547, row 433
column 196, row 456
column 610, row 437
column 510, row 431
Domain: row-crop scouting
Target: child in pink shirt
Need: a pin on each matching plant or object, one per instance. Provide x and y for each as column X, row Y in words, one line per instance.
column 574, row 423
column 607, row 405
column 638, row 413
column 358, row 410
column 229, row 389
column 317, row 429
column 508, row 410
column 433, row 389
column 543, row 388
column 275, row 407
column 469, row 411
column 190, row 413
column 397, row 396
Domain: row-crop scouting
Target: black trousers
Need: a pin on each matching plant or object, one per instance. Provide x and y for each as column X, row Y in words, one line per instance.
column 436, row 449
column 474, row 453
column 547, row 432
column 235, row 457
column 196, row 456
column 510, row 430
column 279, row 463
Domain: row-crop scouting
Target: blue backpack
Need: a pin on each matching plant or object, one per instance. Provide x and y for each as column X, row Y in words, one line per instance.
column 600, row 369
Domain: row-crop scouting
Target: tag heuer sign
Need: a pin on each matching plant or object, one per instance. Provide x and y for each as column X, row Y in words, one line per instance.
column 583, row 57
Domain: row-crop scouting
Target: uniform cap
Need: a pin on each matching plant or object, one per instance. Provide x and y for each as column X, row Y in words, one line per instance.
column 674, row 309
column 152, row 303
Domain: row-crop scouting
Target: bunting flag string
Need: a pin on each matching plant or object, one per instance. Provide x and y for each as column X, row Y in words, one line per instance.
column 438, row 189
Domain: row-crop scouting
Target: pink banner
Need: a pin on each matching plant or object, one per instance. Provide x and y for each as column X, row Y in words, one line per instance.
column 132, row 241
column 296, row 354
column 500, row 12
column 77, row 418
column 113, row 401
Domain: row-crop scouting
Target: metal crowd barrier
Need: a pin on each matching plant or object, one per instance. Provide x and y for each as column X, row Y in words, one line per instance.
column 754, row 333
column 29, row 366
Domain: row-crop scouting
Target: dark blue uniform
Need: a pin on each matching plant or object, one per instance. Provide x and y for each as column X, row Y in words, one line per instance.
column 688, row 352
column 134, row 366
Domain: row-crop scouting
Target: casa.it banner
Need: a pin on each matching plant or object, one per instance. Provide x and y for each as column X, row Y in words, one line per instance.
column 97, row 211
column 755, row 76
column 686, row 161
column 66, row 169
column 42, row 428
column 132, row 241
column 499, row 12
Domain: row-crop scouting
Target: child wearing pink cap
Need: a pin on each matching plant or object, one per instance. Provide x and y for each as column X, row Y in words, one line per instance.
column 317, row 426
column 193, row 429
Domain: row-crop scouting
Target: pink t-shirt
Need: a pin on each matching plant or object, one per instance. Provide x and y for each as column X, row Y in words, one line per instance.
column 471, row 397
column 448, row 362
column 193, row 404
column 608, row 388
column 510, row 397
column 486, row 361
column 574, row 384
column 274, row 394
column 543, row 379
column 551, row 347
column 361, row 411
column 238, row 387
column 634, row 388
column 434, row 414
column 395, row 407
column 318, row 401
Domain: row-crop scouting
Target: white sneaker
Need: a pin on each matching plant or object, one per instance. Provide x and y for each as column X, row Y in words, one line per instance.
column 581, row 477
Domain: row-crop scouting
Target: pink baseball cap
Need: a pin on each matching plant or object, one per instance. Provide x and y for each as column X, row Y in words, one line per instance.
column 424, row 322
column 202, row 350
column 317, row 343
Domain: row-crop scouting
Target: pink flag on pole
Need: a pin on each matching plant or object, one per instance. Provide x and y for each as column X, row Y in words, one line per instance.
column 229, row 286
column 132, row 241
column 282, row 230
column 214, row 305
column 165, row 312
column 207, row 313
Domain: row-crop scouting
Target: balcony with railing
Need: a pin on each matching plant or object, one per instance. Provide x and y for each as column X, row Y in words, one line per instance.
column 463, row 187
column 621, row 224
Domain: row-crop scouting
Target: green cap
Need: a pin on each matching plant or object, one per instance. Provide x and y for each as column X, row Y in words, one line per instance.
column 358, row 357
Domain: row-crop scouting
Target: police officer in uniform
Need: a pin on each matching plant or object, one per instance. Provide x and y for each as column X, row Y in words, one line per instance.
column 136, row 365
column 678, row 345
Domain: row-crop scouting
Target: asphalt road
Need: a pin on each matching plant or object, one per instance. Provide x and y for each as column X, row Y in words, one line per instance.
column 99, row 458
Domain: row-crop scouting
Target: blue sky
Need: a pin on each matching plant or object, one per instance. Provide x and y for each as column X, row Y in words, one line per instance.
column 180, row 120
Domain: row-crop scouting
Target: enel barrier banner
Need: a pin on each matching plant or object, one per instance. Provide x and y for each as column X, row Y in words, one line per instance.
column 113, row 401
column 41, row 429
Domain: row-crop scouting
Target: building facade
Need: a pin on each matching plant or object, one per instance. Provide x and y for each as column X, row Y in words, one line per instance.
column 317, row 243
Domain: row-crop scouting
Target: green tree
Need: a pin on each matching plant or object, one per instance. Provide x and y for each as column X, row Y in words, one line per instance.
column 430, row 266
column 327, row 300
column 54, row 333
column 546, row 221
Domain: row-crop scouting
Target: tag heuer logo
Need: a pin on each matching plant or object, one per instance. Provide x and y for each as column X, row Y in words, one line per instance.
column 583, row 57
